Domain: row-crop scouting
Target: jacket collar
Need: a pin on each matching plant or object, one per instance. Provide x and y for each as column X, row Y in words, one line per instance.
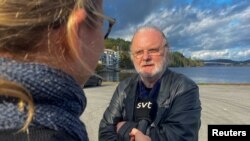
column 131, row 96
column 164, row 92
column 163, row 95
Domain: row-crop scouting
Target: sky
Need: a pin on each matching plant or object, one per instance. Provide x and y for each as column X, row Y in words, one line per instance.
column 200, row 29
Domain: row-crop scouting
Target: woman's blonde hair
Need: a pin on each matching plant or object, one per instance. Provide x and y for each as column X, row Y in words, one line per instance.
column 12, row 89
column 23, row 25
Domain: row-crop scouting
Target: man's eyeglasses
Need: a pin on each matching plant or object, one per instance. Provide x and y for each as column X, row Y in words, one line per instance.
column 151, row 52
column 108, row 23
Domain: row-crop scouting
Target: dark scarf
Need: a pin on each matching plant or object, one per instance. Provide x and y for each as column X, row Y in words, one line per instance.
column 59, row 100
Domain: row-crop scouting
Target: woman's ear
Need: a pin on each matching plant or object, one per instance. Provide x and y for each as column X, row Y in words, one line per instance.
column 77, row 18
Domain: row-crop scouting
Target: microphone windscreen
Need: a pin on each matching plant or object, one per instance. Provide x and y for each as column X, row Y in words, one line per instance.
column 142, row 126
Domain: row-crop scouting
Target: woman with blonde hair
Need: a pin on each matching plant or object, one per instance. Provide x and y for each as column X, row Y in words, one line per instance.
column 48, row 49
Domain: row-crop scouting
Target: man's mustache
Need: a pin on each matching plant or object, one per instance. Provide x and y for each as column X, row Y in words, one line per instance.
column 146, row 63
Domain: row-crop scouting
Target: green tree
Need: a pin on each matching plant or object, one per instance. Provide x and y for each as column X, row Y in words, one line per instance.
column 179, row 60
column 125, row 61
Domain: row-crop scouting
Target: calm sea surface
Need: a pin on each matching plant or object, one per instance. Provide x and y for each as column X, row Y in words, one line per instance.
column 199, row 74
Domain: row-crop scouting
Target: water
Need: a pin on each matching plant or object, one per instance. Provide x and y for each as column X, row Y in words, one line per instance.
column 199, row 74
column 216, row 74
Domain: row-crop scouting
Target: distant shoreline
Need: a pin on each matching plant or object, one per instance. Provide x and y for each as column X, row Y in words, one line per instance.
column 243, row 84
column 133, row 70
column 224, row 84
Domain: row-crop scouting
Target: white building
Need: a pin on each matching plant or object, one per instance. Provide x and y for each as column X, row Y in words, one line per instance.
column 110, row 60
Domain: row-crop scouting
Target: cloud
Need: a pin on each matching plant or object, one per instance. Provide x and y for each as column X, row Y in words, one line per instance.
column 130, row 12
column 194, row 25
column 233, row 54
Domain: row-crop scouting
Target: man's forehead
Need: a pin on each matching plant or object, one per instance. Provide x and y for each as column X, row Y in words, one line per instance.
column 147, row 38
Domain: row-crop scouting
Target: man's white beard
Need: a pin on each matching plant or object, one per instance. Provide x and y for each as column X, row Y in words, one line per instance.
column 158, row 70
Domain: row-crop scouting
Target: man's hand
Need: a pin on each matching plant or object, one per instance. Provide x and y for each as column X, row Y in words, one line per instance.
column 137, row 135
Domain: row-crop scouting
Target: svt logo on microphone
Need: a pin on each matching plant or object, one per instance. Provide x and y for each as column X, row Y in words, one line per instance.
column 144, row 105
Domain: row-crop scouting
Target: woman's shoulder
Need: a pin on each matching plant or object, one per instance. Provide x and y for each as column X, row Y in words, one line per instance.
column 35, row 134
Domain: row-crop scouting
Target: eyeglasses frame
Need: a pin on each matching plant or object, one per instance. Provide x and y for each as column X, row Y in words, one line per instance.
column 138, row 56
column 111, row 21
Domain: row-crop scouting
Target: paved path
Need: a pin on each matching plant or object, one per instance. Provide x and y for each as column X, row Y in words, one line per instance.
column 221, row 104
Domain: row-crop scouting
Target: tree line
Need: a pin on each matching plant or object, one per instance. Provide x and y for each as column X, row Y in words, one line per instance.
column 177, row 59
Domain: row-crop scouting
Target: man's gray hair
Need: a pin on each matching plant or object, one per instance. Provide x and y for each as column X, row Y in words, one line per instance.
column 146, row 27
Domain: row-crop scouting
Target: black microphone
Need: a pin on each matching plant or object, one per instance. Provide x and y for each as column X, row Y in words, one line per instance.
column 143, row 125
column 145, row 112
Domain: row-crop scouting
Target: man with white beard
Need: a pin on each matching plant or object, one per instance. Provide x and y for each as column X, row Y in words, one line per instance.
column 156, row 104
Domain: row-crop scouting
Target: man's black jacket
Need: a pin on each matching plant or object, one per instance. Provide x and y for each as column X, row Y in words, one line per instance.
column 178, row 114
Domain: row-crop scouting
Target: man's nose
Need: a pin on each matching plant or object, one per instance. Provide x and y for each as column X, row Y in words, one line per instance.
column 146, row 55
